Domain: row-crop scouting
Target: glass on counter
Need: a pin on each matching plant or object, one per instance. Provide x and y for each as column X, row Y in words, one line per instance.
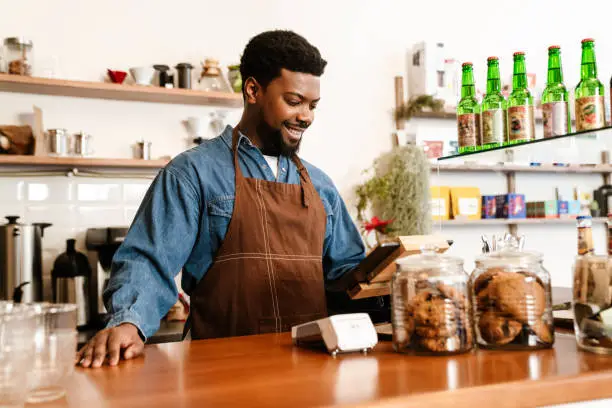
column 430, row 305
column 512, row 301
column 592, row 303
column 18, row 52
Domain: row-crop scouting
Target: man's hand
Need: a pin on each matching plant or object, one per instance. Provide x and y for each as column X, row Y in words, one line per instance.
column 108, row 344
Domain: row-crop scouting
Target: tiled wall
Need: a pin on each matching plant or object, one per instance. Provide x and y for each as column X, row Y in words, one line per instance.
column 71, row 204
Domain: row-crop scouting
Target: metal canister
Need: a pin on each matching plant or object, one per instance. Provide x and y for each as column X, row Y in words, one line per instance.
column 58, row 142
column 184, row 75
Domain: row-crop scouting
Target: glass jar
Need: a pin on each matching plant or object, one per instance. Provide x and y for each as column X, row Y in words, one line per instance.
column 430, row 305
column 18, row 55
column 234, row 77
column 592, row 303
column 211, row 79
column 512, row 301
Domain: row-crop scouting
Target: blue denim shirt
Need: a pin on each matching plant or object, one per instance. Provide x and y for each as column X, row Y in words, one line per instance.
column 183, row 219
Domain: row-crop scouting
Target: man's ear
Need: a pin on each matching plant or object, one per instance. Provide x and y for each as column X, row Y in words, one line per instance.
column 252, row 90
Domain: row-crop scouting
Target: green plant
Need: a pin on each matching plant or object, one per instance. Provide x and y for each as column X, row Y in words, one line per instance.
column 398, row 190
column 417, row 104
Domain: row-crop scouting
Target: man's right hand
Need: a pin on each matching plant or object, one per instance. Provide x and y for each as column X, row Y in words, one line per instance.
column 109, row 344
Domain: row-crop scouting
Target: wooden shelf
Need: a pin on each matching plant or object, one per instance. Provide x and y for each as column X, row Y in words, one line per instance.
column 120, row 92
column 519, row 221
column 508, row 168
column 71, row 162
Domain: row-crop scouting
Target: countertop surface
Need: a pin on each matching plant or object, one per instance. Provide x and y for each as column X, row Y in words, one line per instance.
column 267, row 370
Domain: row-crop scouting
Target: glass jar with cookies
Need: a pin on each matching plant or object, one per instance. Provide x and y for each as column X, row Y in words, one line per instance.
column 592, row 303
column 512, row 302
column 430, row 305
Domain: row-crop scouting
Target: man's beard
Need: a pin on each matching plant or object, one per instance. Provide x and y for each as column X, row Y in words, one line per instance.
column 273, row 142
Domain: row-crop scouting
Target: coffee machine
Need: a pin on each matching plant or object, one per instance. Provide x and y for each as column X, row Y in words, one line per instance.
column 101, row 244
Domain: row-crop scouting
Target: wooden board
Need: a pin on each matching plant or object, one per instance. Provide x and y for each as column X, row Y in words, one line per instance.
column 120, row 92
column 67, row 162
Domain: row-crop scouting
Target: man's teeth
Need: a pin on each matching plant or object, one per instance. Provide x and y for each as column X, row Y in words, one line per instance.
column 294, row 132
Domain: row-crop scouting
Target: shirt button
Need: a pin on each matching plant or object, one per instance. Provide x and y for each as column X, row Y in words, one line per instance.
column 284, row 169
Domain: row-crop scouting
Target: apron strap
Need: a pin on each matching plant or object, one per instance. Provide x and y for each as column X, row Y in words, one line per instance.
column 305, row 182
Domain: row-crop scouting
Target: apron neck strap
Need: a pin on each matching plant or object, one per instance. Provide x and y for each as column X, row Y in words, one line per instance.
column 305, row 182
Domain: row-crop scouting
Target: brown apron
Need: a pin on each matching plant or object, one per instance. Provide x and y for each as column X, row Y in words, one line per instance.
column 268, row 273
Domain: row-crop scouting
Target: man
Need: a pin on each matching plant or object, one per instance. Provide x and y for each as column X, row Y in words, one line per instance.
column 255, row 229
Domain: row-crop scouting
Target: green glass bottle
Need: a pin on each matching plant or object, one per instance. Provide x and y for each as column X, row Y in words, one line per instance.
column 521, row 123
column 589, row 91
column 468, row 112
column 555, row 98
column 493, row 108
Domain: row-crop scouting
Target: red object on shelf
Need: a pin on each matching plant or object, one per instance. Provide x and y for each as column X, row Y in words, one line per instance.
column 117, row 76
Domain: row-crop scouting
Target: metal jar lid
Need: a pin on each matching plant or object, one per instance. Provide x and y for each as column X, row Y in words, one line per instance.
column 19, row 42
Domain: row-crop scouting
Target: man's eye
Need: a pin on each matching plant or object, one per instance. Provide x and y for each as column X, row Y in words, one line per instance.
column 293, row 103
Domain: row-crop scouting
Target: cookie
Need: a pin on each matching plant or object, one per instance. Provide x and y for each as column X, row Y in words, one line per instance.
column 439, row 331
column 483, row 280
column 496, row 329
column 542, row 330
column 441, row 344
column 483, row 301
column 513, row 295
column 435, row 312
column 452, row 293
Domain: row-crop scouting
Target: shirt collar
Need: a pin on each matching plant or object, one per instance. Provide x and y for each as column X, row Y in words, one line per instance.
column 227, row 137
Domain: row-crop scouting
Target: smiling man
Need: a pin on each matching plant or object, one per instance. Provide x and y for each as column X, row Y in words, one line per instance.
column 255, row 229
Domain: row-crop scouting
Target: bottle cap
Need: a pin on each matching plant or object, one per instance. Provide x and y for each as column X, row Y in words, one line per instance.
column 467, row 64
column 588, row 40
column 492, row 59
column 518, row 53
column 554, row 47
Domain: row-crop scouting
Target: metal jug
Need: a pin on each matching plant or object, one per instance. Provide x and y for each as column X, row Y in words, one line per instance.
column 71, row 274
column 21, row 261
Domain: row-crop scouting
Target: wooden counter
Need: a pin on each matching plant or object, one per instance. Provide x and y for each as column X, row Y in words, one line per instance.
column 268, row 371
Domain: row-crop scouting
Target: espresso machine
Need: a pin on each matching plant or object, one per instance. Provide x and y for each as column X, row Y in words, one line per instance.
column 101, row 244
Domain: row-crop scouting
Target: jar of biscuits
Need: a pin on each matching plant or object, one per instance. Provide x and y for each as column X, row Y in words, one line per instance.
column 592, row 303
column 430, row 305
column 19, row 55
column 511, row 297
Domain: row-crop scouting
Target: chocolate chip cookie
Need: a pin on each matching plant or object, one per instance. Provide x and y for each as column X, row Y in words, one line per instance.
column 496, row 329
column 518, row 297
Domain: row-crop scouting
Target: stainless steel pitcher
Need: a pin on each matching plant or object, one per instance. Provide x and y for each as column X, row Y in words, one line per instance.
column 21, row 261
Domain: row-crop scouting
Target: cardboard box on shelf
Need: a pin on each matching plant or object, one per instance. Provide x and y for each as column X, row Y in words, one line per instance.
column 440, row 203
column 511, row 206
column 466, row 203
column 543, row 209
column 489, row 207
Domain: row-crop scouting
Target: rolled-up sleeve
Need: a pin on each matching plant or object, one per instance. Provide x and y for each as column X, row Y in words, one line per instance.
column 141, row 288
column 343, row 248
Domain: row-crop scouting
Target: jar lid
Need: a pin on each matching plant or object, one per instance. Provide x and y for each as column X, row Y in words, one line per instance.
column 19, row 42
column 509, row 257
column 429, row 259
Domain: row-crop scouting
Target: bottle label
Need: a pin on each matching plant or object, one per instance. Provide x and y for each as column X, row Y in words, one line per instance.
column 585, row 241
column 554, row 116
column 468, row 126
column 493, row 126
column 590, row 112
column 521, row 125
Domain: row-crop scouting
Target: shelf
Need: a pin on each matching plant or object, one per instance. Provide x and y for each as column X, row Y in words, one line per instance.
column 87, row 162
column 517, row 168
column 120, row 92
column 535, row 150
column 519, row 221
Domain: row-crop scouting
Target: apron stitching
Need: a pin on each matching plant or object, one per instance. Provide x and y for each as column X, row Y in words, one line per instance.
column 267, row 258
column 268, row 262
column 268, row 254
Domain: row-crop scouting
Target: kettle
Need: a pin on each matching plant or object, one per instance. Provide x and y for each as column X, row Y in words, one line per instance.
column 71, row 275
column 21, row 261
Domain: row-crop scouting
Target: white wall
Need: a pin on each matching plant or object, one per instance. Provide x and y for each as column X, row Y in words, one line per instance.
column 365, row 43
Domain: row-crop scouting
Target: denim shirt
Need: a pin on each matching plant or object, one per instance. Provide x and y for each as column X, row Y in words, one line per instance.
column 183, row 219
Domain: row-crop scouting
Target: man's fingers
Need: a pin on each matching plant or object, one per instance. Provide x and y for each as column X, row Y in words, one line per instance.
column 134, row 350
column 87, row 355
column 114, row 348
column 99, row 352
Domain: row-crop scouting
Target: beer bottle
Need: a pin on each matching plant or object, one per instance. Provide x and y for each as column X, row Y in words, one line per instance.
column 589, row 91
column 493, row 108
column 555, row 98
column 521, row 123
column 468, row 112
